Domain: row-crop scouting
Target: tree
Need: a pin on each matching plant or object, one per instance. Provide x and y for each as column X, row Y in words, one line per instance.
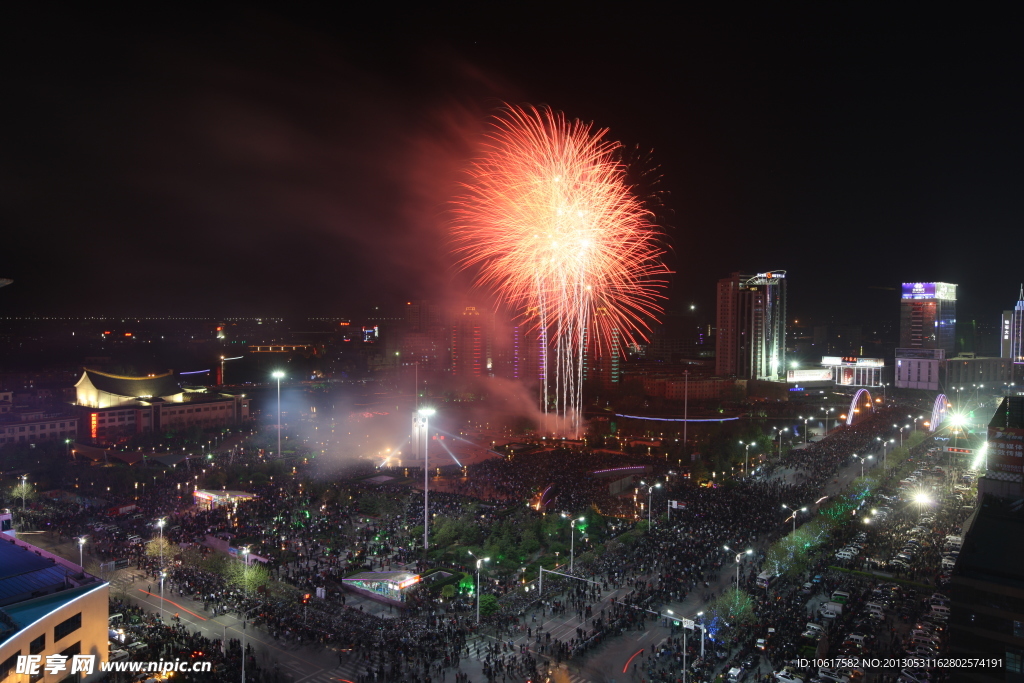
column 448, row 592
column 23, row 490
column 154, row 546
column 735, row 607
column 250, row 578
column 488, row 604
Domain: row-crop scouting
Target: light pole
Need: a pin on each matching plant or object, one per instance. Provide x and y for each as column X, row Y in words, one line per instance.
column 479, row 562
column 425, row 413
column 862, row 463
column 784, row 429
column 160, row 525
column 81, row 544
column 278, row 375
column 650, row 492
column 805, row 419
column 703, row 633
column 901, row 434
column 162, row 576
column 827, row 411
column 24, row 489
column 794, row 511
column 746, row 457
column 739, row 558
column 572, row 539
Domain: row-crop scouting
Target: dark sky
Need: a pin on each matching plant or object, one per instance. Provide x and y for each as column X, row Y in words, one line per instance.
column 287, row 162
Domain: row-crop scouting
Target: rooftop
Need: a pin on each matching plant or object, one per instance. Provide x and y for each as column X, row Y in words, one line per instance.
column 133, row 387
column 1009, row 414
column 986, row 554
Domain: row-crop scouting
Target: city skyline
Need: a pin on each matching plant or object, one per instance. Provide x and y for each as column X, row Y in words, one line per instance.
column 274, row 162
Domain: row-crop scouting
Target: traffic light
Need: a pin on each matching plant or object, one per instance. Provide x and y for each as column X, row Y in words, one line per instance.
column 305, row 599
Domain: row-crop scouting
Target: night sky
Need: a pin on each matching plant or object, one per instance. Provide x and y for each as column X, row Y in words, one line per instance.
column 283, row 162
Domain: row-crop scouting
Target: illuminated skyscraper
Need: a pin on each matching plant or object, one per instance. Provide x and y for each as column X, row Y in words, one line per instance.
column 1011, row 331
column 751, row 334
column 928, row 316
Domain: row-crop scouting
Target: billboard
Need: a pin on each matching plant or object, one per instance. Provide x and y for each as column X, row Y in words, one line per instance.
column 929, row 290
column 853, row 360
column 810, row 375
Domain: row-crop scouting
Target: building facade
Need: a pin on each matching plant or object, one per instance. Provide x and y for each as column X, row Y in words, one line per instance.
column 928, row 316
column 751, row 326
column 110, row 408
column 49, row 607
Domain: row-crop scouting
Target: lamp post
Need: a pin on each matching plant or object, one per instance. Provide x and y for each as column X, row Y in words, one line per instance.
column 278, row 374
column 901, row 434
column 81, row 544
column 163, row 575
column 479, row 562
column 425, row 413
column 862, row 463
column 784, row 429
column 160, row 525
column 650, row 492
column 572, row 539
column 805, row 419
column 739, row 558
column 24, row 489
column 746, row 457
column 827, row 411
column 794, row 511
column 703, row 634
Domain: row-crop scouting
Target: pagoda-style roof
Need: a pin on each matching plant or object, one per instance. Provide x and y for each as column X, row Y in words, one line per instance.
column 154, row 386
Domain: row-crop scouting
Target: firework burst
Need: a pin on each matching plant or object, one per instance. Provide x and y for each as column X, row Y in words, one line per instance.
column 549, row 223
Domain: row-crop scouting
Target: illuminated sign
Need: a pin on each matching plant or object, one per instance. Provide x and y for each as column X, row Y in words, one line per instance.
column 412, row 580
column 771, row 275
column 93, row 424
column 929, row 290
column 853, row 360
column 809, row 375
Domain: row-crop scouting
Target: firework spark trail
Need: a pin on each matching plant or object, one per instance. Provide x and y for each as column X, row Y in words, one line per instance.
column 549, row 223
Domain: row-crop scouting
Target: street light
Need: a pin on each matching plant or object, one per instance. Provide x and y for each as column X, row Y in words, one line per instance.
column 827, row 411
column 163, row 575
column 795, row 511
column 425, row 413
column 862, row 463
column 805, row 419
column 572, row 538
column 784, row 429
column 24, row 489
column 160, row 525
column 703, row 633
column 650, row 492
column 746, row 457
column 479, row 562
column 81, row 544
column 739, row 558
column 278, row 375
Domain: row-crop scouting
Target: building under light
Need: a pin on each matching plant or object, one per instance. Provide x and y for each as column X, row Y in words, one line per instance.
column 751, row 335
column 48, row 606
column 928, row 316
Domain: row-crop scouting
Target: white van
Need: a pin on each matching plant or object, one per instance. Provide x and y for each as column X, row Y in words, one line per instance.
column 766, row 579
column 940, row 611
column 948, row 563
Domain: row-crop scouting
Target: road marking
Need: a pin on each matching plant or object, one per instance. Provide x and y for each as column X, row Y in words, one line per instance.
column 644, row 636
column 310, row 675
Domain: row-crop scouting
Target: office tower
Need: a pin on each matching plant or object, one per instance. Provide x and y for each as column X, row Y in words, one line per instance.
column 751, row 313
column 928, row 316
column 1011, row 331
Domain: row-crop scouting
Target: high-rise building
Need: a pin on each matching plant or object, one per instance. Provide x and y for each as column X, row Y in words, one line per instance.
column 751, row 313
column 928, row 316
column 470, row 344
column 1011, row 331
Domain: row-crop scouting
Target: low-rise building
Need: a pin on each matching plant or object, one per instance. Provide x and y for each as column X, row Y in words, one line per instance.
column 114, row 407
column 49, row 607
